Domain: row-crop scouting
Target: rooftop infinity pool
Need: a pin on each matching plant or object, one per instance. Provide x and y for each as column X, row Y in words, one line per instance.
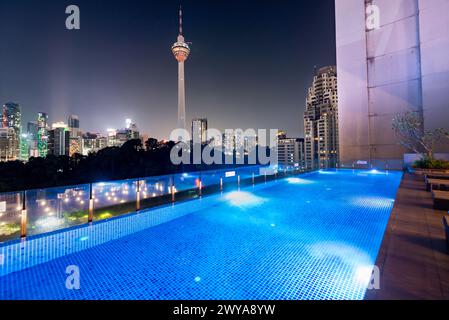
column 313, row 236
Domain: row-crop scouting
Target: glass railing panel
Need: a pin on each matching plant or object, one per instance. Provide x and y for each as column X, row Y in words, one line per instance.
column 156, row 186
column 211, row 178
column 112, row 199
column 10, row 215
column 187, row 181
column 56, row 208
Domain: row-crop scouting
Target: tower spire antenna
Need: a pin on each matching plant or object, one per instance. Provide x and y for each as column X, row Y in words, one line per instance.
column 180, row 20
column 181, row 51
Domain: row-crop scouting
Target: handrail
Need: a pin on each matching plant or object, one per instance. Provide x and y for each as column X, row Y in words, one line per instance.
column 74, row 203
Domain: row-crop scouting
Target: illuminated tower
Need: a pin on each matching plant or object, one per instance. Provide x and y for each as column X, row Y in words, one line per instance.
column 42, row 137
column 181, row 52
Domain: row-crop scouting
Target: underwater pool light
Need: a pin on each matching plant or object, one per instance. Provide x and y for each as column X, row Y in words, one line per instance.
column 243, row 199
column 363, row 274
column 298, row 181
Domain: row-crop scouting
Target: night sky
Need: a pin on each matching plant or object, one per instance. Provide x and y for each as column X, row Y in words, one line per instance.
column 250, row 65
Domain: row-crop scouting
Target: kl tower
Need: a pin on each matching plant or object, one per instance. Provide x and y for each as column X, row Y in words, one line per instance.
column 181, row 52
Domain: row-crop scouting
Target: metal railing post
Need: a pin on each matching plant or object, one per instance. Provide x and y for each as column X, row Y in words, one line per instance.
column 91, row 204
column 221, row 184
column 138, row 196
column 24, row 217
column 173, row 189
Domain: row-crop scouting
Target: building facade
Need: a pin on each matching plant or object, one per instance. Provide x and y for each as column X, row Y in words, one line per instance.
column 74, row 126
column 392, row 59
column 11, row 117
column 199, row 130
column 291, row 152
column 321, row 121
column 9, row 144
column 59, row 142
column 93, row 142
column 42, row 134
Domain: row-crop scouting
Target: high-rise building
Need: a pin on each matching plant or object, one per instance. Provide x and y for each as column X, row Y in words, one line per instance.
column 59, row 142
column 132, row 131
column 181, row 51
column 74, row 121
column 199, row 130
column 75, row 146
column 250, row 143
column 392, row 57
column 291, row 152
column 25, row 147
column 321, row 120
column 59, row 124
column 12, row 118
column 75, row 134
column 111, row 139
column 9, row 144
column 42, row 134
column 93, row 142
column 32, row 137
column 281, row 134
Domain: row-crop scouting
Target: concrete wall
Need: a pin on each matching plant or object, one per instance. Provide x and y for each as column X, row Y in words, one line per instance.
column 434, row 34
column 402, row 66
column 352, row 80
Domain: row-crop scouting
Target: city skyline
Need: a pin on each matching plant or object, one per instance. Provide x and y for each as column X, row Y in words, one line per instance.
column 136, row 77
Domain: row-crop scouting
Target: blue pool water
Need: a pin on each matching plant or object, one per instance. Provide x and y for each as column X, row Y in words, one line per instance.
column 314, row 236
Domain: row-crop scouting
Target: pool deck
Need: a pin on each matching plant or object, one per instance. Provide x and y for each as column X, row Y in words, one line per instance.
column 413, row 259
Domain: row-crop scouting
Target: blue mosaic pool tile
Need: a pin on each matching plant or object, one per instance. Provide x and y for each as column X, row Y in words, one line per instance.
column 311, row 237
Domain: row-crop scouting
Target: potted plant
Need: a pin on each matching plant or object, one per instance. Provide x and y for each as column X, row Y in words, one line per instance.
column 410, row 131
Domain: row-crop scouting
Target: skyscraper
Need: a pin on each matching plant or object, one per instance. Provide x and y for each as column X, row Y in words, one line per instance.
column 321, row 120
column 59, row 142
column 75, row 135
column 12, row 118
column 181, row 52
column 32, row 133
column 8, row 145
column 93, row 142
column 385, row 69
column 291, row 152
column 74, row 126
column 199, row 128
column 42, row 135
